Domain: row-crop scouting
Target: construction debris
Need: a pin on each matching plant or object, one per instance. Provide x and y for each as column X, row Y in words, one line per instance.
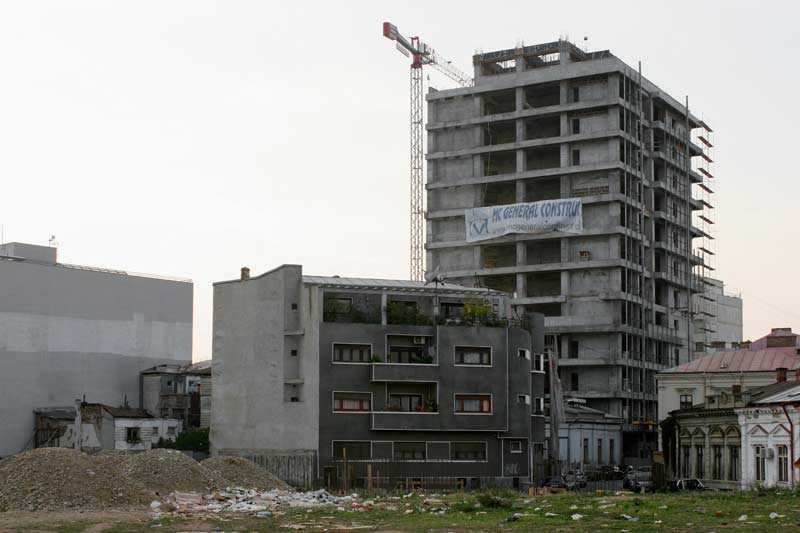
column 62, row 478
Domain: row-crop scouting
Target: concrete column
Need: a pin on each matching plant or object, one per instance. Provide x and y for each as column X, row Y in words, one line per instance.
column 522, row 279
column 384, row 305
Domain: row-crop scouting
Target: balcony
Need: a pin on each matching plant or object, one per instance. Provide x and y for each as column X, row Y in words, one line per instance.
column 404, row 372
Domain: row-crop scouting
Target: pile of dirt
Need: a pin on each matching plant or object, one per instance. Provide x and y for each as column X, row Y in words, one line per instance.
column 61, row 478
column 163, row 471
column 241, row 472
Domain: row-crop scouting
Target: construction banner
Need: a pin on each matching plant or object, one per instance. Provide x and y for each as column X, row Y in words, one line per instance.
column 531, row 217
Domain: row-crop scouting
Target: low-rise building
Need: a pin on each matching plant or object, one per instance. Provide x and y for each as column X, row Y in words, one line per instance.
column 738, row 439
column 364, row 381
column 101, row 427
column 176, row 391
column 589, row 438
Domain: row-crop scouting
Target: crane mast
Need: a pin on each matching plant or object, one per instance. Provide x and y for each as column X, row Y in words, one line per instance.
column 421, row 54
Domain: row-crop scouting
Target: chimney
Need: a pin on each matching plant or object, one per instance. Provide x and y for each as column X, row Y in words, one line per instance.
column 781, row 374
column 245, row 273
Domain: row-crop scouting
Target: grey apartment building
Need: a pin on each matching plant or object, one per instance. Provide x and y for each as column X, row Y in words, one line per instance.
column 328, row 380
column 71, row 332
column 551, row 121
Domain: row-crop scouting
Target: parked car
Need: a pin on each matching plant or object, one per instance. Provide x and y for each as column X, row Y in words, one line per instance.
column 685, row 484
column 576, row 479
column 641, row 482
column 555, row 482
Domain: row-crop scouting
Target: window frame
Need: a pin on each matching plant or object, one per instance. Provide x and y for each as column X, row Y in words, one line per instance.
column 336, row 409
column 537, row 407
column 133, row 435
column 760, row 462
column 333, row 353
column 411, row 459
column 333, row 449
column 514, row 444
column 401, row 396
column 460, row 397
column 782, row 455
column 538, row 360
column 682, row 402
column 481, row 352
column 482, row 443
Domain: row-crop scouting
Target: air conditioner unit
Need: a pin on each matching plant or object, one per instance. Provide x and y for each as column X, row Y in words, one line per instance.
column 419, row 340
column 770, row 453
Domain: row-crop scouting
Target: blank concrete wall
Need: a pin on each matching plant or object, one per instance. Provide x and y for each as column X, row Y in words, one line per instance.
column 66, row 333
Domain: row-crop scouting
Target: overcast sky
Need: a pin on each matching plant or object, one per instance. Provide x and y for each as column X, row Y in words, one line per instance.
column 191, row 138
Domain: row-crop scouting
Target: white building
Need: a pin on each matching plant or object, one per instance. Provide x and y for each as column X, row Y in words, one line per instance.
column 739, row 439
column 693, row 382
column 588, row 438
column 102, row 427
column 70, row 332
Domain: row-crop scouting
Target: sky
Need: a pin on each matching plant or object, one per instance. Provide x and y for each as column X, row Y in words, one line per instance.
column 191, row 138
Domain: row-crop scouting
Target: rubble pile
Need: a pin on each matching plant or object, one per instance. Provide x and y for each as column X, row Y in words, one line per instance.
column 241, row 472
column 265, row 503
column 164, row 471
column 61, row 478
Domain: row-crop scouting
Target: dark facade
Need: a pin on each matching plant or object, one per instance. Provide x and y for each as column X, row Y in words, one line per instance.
column 449, row 402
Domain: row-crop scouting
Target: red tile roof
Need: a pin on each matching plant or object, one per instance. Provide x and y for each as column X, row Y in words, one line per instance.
column 765, row 360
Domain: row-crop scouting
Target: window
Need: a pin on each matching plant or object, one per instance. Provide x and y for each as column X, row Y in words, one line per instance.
column 154, row 432
column 538, row 362
column 351, row 401
column 355, row 450
column 586, row 451
column 473, row 403
column 576, row 157
column 573, row 382
column 576, row 125
column 132, row 435
column 761, row 463
column 406, row 402
column 515, row 446
column 409, row 451
column 171, row 430
column 611, row 452
column 686, row 464
column 473, row 355
column 716, row 468
column 538, row 406
column 294, row 353
column 294, row 307
column 733, row 463
column 523, row 399
column 352, row 353
column 599, row 450
column 522, row 353
column 468, row 451
column 340, row 305
column 783, row 464
column 686, row 401
column 700, row 467
column 576, row 94
column 573, row 349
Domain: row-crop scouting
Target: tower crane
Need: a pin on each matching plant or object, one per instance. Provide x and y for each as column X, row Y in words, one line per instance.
column 421, row 54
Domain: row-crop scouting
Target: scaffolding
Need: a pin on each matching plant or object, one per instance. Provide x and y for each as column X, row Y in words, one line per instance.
column 704, row 304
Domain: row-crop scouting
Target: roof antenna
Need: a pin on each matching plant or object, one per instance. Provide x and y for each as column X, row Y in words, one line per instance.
column 586, row 44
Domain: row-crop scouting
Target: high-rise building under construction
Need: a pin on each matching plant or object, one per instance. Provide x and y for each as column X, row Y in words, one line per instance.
column 552, row 121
